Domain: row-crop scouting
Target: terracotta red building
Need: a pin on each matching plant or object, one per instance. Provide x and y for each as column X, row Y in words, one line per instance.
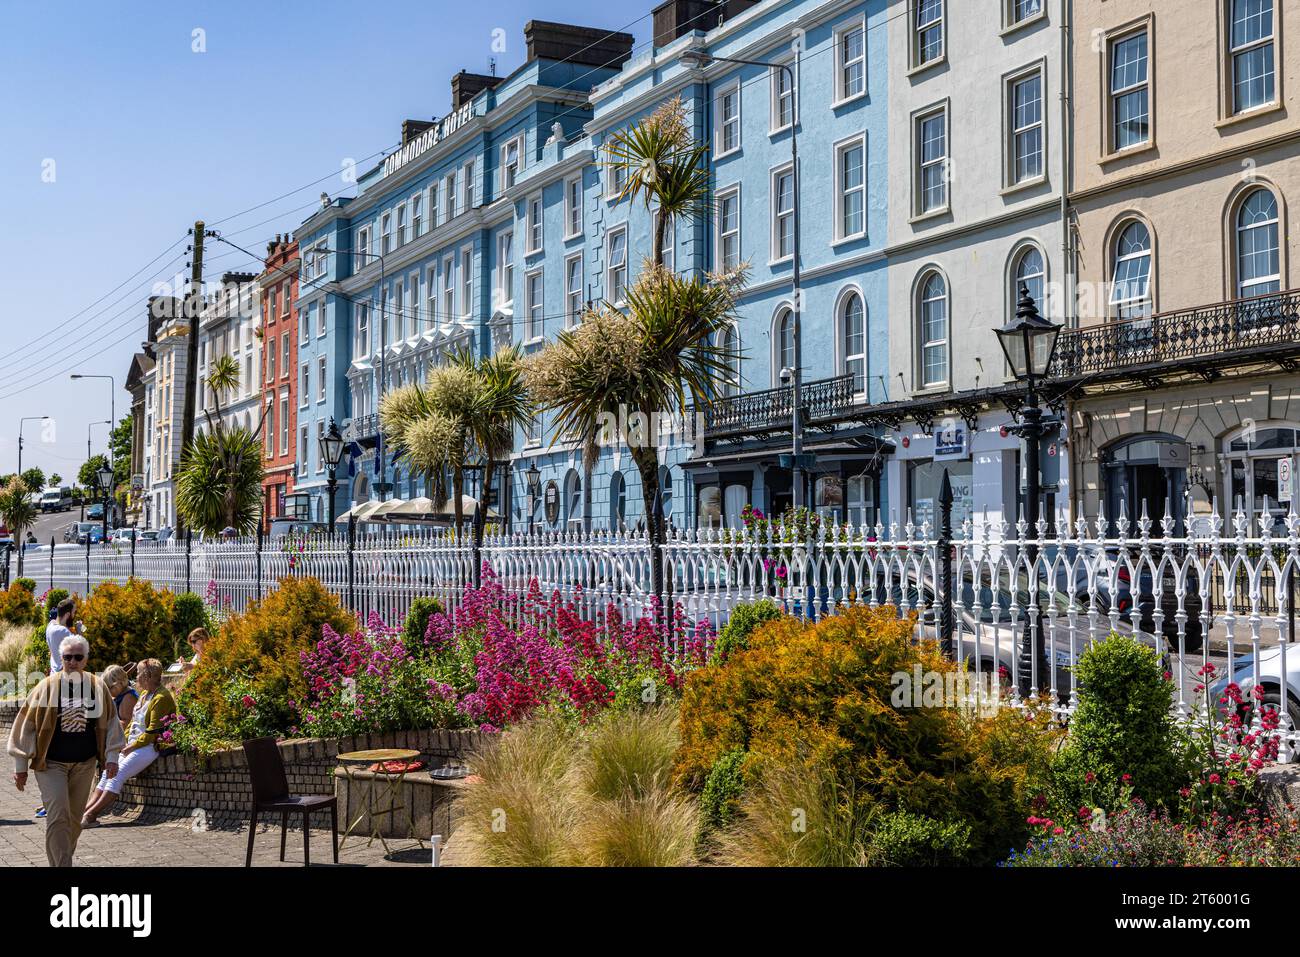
column 279, row 294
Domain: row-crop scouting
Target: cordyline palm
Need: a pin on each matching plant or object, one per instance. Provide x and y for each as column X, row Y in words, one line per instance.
column 429, row 426
column 219, row 484
column 17, row 512
column 659, row 357
column 662, row 166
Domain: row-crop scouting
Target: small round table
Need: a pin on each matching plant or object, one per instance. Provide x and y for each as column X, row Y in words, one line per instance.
column 379, row 802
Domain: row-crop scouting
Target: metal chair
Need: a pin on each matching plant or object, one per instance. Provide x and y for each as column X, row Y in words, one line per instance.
column 271, row 793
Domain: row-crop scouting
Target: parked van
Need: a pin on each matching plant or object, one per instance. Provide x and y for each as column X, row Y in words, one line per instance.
column 56, row 499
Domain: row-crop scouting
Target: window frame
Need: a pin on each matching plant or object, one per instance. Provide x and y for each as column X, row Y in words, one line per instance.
column 840, row 94
column 1231, row 110
column 1011, row 132
column 1009, row 21
column 776, row 216
column 720, row 122
column 774, row 125
column 573, row 210
column 914, row 36
column 534, row 300
column 322, row 375
column 572, row 317
column 846, row 295
column 919, row 164
column 922, row 343
column 784, row 312
column 505, row 268
column 509, row 179
column 1278, row 247
column 466, row 267
column 839, row 149
column 614, row 233
column 721, row 234
column 1113, row 306
column 534, row 225
column 1110, row 141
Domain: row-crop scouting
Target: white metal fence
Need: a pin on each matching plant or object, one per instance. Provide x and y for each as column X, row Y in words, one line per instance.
column 1217, row 596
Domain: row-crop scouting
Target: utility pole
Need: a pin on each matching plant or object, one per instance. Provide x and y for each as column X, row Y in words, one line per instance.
column 193, row 305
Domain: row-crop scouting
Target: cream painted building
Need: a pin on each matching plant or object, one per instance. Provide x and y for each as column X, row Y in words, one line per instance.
column 976, row 183
column 1185, row 138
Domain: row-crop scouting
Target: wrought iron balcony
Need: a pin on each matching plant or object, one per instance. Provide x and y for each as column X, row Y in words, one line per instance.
column 758, row 413
column 362, row 428
column 1258, row 328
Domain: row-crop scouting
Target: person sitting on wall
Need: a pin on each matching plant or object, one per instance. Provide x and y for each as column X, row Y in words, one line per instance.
column 124, row 696
column 198, row 639
column 143, row 739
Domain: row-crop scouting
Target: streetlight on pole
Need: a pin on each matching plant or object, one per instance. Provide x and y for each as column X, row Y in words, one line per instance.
column 701, row 59
column 89, row 426
column 381, row 486
column 112, row 395
column 331, row 451
column 533, row 478
column 26, row 418
column 1029, row 342
column 104, row 482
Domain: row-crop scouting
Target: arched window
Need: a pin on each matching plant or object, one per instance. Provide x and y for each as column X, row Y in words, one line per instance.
column 1258, row 264
column 933, row 324
column 730, row 384
column 573, row 498
column 853, row 327
column 1131, row 295
column 617, row 500
column 783, row 352
column 1031, row 273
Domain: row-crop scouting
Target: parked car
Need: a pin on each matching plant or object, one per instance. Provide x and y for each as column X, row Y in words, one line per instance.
column 1145, row 603
column 78, row 532
column 1270, row 680
column 281, row 527
column 96, row 511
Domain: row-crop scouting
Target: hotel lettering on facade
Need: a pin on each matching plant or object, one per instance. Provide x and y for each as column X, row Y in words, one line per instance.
column 947, row 158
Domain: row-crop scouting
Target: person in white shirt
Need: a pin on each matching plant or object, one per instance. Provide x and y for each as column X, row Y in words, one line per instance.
column 58, row 629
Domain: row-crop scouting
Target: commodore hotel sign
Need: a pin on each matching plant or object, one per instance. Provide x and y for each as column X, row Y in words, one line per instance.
column 428, row 139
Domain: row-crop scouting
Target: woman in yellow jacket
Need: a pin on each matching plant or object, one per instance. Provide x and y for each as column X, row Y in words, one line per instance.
column 142, row 740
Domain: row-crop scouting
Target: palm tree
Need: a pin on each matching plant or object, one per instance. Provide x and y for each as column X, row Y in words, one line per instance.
column 667, row 345
column 502, row 405
column 219, row 483
column 429, row 426
column 662, row 356
column 18, row 512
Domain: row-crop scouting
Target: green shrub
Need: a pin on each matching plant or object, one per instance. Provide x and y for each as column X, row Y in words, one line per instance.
column 52, row 599
column 900, row 839
column 417, row 623
column 28, row 583
column 38, row 649
column 188, row 612
column 126, row 623
column 723, row 788
column 821, row 696
column 18, row 604
column 262, row 647
column 744, row 619
column 1122, row 737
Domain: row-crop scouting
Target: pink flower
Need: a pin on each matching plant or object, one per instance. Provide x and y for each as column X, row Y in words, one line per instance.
column 247, row 701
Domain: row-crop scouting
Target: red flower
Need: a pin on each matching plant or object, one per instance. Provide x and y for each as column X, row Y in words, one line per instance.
column 247, row 701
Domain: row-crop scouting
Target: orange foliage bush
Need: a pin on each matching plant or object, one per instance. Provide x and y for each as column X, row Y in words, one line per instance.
column 261, row 651
column 128, row 622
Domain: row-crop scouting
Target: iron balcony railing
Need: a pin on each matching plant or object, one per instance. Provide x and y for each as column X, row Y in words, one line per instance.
column 362, row 427
column 1248, row 327
column 770, row 410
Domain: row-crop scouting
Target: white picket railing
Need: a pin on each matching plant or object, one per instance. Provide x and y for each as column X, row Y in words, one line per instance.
column 1200, row 597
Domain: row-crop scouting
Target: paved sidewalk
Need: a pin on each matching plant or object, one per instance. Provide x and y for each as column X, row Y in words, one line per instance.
column 119, row 841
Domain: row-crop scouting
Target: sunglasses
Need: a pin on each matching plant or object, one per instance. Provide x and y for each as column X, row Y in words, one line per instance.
column 74, row 657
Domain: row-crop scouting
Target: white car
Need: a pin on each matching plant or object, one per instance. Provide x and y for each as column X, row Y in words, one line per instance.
column 1270, row 679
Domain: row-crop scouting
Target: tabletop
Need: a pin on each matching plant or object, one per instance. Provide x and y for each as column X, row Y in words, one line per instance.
column 380, row 754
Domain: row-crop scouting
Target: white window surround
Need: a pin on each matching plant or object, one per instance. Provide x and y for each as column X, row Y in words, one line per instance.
column 930, row 168
column 448, row 290
column 616, row 264
column 573, row 293
column 431, row 296
column 534, row 306
column 505, row 268
column 322, row 376
column 780, row 216
column 727, row 252
column 847, row 186
column 923, row 52
column 534, row 225
column 782, row 341
column 1020, row 13
column 573, row 207
column 933, row 299
column 512, row 161
column 466, row 281
column 779, row 94
column 726, row 119
column 850, row 63
column 851, row 356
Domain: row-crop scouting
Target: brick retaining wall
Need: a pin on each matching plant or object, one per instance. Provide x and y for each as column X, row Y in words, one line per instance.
column 178, row 785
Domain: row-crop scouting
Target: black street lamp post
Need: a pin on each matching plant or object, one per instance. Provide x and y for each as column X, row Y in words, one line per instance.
column 533, row 476
column 104, row 479
column 1029, row 342
column 331, row 452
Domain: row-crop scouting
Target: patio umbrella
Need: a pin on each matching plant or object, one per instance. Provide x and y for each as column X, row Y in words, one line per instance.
column 360, row 512
column 468, row 505
column 385, row 509
column 416, row 510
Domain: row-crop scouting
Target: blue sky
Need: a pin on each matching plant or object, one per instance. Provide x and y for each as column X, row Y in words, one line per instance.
column 117, row 136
